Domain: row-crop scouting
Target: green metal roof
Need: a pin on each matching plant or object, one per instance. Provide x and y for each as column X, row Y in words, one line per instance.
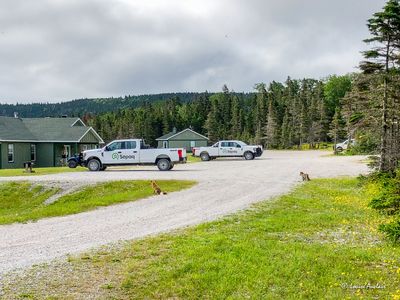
column 14, row 129
column 43, row 129
column 168, row 136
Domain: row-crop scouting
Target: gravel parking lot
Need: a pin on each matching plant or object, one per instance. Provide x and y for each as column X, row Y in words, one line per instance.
column 225, row 186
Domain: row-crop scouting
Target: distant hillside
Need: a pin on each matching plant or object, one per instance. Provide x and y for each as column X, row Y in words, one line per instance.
column 94, row 106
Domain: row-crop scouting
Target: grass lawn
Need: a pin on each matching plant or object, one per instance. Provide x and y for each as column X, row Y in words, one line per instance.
column 56, row 170
column 318, row 242
column 193, row 159
column 21, row 202
column 39, row 171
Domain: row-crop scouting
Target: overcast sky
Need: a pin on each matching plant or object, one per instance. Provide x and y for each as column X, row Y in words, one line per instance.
column 57, row 50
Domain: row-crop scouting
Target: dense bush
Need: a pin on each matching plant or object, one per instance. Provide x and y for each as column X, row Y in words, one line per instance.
column 388, row 202
column 391, row 230
column 366, row 144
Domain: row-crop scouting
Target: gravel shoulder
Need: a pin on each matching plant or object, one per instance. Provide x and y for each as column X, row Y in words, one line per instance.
column 225, row 186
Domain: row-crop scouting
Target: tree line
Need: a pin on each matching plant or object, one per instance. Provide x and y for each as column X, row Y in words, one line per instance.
column 79, row 107
column 278, row 115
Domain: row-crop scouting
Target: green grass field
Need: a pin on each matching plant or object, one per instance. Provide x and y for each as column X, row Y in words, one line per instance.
column 56, row 170
column 321, row 146
column 39, row 171
column 318, row 242
column 22, row 202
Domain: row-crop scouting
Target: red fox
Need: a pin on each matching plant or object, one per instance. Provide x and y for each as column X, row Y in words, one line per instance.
column 305, row 176
column 157, row 189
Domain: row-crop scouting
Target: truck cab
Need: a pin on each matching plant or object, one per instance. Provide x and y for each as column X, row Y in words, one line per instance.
column 121, row 151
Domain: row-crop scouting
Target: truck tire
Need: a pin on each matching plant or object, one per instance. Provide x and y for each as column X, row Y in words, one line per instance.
column 248, row 155
column 103, row 168
column 94, row 165
column 72, row 164
column 204, row 156
column 339, row 149
column 164, row 164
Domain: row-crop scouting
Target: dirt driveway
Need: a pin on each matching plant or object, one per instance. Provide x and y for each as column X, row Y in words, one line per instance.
column 225, row 186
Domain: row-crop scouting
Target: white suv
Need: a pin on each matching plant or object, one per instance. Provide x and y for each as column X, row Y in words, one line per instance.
column 344, row 145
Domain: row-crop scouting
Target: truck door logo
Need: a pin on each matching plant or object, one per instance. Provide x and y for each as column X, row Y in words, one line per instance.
column 122, row 156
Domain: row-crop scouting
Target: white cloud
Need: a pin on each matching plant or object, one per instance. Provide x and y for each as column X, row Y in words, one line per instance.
column 54, row 50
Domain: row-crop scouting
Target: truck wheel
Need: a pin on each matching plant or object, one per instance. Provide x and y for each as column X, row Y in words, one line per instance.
column 94, row 165
column 72, row 164
column 171, row 167
column 339, row 149
column 204, row 156
column 248, row 155
column 164, row 164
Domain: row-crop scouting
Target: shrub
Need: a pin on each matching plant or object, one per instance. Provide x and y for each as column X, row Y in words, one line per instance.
column 388, row 202
column 391, row 230
column 366, row 144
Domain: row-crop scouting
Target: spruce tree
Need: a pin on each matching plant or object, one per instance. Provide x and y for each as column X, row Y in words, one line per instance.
column 271, row 128
column 336, row 130
column 384, row 59
column 236, row 126
column 211, row 124
column 260, row 112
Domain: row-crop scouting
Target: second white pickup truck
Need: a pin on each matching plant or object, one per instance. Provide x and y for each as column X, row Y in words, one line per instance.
column 228, row 149
column 132, row 152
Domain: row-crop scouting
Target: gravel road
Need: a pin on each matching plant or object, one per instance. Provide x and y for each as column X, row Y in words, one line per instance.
column 225, row 186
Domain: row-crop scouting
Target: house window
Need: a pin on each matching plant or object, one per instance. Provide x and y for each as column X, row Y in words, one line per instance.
column 33, row 152
column 192, row 144
column 165, row 144
column 10, row 153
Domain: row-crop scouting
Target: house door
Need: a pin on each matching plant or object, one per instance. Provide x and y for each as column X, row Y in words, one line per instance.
column 67, row 151
column 165, row 144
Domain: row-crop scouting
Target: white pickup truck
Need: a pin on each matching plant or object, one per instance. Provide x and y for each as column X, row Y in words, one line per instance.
column 132, row 152
column 228, row 149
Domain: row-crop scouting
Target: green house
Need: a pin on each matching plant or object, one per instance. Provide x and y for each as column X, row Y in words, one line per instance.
column 47, row 142
column 184, row 139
